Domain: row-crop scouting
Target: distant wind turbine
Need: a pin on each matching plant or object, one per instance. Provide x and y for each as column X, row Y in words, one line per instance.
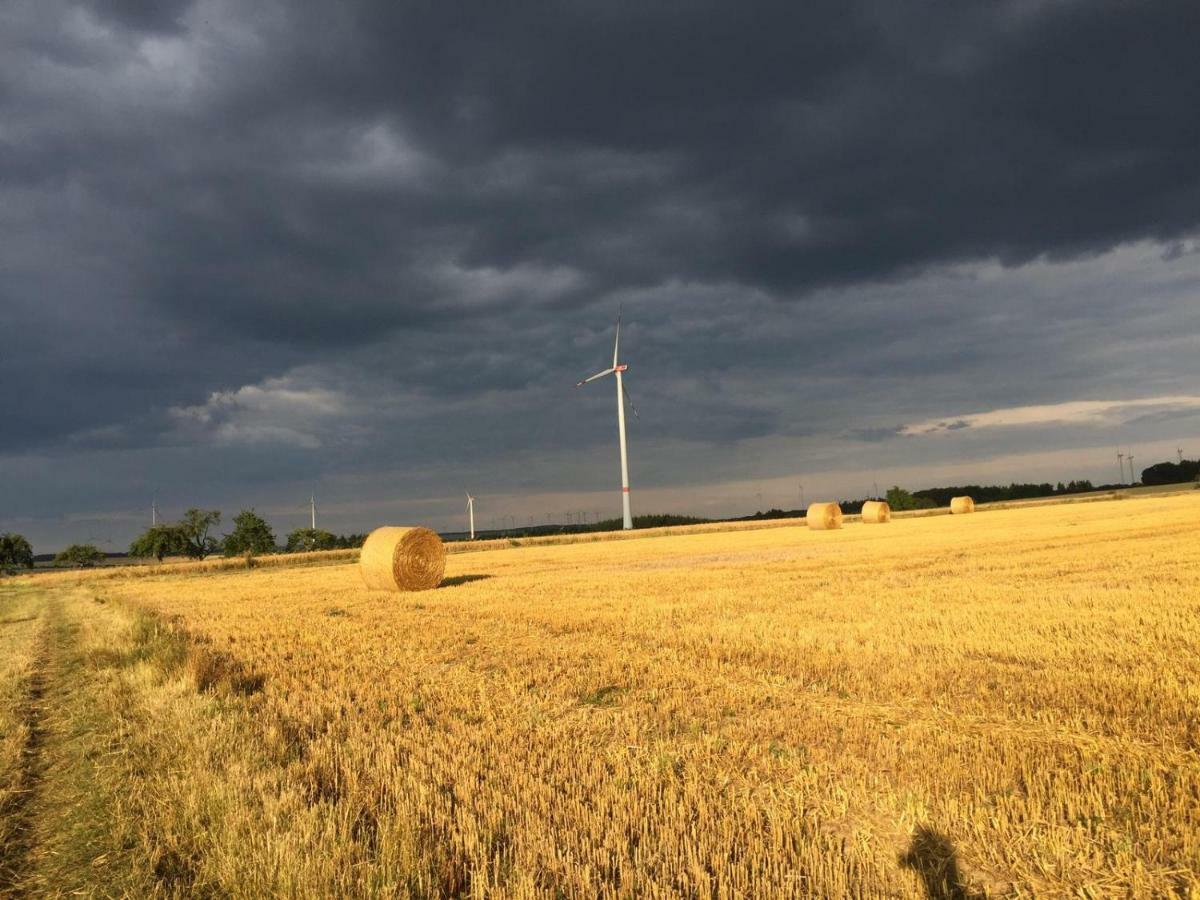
column 618, row 368
column 1121, row 464
column 153, row 512
column 312, row 508
column 471, row 513
column 1179, row 453
column 1132, row 480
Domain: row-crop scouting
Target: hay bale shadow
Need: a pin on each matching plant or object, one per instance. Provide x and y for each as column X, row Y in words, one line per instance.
column 463, row 579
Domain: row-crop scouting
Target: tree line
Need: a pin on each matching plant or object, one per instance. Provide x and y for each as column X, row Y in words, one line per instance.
column 192, row 537
column 932, row 498
column 17, row 553
column 1172, row 473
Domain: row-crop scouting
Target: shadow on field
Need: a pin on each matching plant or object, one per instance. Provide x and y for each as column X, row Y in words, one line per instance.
column 463, row 579
column 932, row 856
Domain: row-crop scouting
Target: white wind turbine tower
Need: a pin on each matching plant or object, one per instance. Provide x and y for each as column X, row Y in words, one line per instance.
column 622, row 395
column 1121, row 463
column 312, row 508
column 471, row 514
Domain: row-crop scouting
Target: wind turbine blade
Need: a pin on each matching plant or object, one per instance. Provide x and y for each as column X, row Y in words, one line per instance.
column 617, row 342
column 630, row 400
column 597, row 375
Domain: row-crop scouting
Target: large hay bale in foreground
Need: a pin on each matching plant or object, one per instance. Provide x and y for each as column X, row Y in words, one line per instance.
column 402, row 559
column 876, row 512
column 823, row 516
column 961, row 505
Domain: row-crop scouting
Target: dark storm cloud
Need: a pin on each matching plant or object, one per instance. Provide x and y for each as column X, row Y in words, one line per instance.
column 809, row 142
column 155, row 16
column 350, row 237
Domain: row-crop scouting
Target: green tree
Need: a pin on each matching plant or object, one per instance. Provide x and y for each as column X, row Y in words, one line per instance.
column 15, row 553
column 251, row 534
column 83, row 556
column 304, row 539
column 157, row 542
column 898, row 498
column 1171, row 473
column 193, row 530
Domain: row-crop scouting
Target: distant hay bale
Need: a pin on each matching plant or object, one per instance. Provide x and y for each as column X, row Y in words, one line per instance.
column 961, row 505
column 876, row 512
column 402, row 559
column 823, row 516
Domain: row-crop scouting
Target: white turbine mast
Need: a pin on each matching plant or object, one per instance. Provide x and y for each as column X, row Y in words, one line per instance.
column 1132, row 480
column 471, row 513
column 1121, row 464
column 312, row 509
column 618, row 368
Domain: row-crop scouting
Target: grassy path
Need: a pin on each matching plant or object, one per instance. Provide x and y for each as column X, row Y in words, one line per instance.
column 29, row 720
column 52, row 816
column 121, row 739
column 23, row 659
column 80, row 745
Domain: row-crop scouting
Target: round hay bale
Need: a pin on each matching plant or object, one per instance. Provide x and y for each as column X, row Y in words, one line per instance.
column 823, row 516
column 876, row 512
column 402, row 559
column 961, row 505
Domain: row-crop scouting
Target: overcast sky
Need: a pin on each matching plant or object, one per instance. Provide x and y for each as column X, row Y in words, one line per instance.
column 252, row 251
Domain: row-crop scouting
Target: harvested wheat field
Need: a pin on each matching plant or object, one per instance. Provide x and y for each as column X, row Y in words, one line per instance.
column 999, row 704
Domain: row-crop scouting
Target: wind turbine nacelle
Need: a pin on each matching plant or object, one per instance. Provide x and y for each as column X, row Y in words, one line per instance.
column 620, row 368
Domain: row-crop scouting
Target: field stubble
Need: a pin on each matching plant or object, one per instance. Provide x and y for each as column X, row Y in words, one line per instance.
column 946, row 706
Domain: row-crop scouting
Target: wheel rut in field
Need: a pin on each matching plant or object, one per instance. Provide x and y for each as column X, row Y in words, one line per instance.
column 15, row 862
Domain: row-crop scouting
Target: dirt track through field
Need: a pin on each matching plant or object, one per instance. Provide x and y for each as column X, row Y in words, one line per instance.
column 23, row 802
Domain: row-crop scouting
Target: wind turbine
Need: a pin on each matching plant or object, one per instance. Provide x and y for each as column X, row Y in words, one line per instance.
column 1132, row 481
column 312, row 508
column 471, row 513
column 1121, row 463
column 1179, row 453
column 618, row 368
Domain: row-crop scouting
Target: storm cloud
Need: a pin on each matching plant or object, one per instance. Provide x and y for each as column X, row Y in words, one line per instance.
column 366, row 248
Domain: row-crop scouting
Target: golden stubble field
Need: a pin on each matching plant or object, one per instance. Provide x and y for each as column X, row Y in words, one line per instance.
column 1003, row 703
